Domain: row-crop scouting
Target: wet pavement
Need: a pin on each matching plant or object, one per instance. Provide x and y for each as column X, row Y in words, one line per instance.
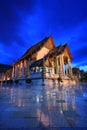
column 43, row 107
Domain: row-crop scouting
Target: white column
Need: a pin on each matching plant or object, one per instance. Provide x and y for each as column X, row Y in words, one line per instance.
column 22, row 68
column 52, row 67
column 13, row 71
column 70, row 68
column 57, row 65
column 28, row 68
column 63, row 69
column 18, row 70
column 60, row 67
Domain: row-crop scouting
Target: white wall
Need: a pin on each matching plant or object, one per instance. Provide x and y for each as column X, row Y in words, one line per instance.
column 42, row 53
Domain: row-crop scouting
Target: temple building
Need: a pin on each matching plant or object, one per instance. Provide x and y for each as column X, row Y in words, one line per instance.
column 44, row 56
column 44, row 60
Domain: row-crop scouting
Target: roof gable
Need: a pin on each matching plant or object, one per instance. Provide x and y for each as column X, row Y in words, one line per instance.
column 66, row 47
column 59, row 50
column 36, row 48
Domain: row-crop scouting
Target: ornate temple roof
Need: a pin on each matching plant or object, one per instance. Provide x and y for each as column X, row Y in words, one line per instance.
column 68, row 50
column 59, row 50
column 54, row 52
column 34, row 49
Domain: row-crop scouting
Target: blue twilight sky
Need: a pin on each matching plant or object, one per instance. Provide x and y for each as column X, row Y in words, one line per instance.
column 25, row 22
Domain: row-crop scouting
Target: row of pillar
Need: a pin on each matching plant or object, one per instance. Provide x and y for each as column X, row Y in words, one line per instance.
column 21, row 70
column 25, row 70
column 60, row 69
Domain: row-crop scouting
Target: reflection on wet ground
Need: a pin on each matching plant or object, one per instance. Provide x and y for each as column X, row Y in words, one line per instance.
column 38, row 107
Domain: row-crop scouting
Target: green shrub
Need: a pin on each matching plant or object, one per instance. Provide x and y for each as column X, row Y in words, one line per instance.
column 16, row 81
column 28, row 81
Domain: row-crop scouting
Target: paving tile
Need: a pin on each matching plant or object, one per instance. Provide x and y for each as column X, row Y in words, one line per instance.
column 40, row 107
column 21, row 128
column 57, row 119
column 11, row 123
column 32, row 123
column 60, row 101
column 20, row 123
column 26, row 114
column 45, row 117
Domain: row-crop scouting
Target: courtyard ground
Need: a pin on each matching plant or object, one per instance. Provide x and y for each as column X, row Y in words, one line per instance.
column 43, row 107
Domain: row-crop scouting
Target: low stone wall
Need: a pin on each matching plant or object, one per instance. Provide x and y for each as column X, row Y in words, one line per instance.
column 51, row 82
column 39, row 81
column 68, row 81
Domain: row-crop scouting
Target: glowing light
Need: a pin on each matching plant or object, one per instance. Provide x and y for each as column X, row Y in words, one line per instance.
column 37, row 99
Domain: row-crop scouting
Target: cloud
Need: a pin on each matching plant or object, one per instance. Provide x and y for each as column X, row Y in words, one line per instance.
column 63, row 13
column 81, row 53
column 52, row 17
column 80, row 56
column 83, row 68
column 83, row 37
column 25, row 22
column 12, row 13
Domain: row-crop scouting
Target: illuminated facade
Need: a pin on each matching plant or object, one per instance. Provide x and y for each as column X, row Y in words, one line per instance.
column 44, row 60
